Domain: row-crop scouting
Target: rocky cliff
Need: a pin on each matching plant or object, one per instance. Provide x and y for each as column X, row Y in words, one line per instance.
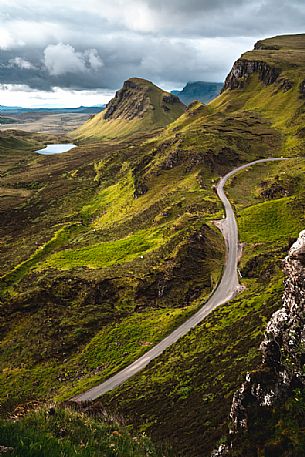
column 135, row 98
column 283, row 361
column 243, row 68
column 139, row 106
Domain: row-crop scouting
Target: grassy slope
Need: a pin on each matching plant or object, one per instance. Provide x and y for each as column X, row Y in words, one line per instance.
column 155, row 117
column 283, row 108
column 54, row 316
column 165, row 225
column 62, row 432
column 187, row 393
column 123, row 259
column 56, row 325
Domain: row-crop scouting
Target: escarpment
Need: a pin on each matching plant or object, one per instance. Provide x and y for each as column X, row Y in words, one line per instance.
column 243, row 68
column 282, row 367
column 138, row 107
column 134, row 99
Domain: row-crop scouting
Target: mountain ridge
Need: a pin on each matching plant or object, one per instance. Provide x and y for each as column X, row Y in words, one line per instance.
column 202, row 91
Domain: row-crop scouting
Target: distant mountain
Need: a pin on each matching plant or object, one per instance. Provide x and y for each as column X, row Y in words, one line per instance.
column 198, row 90
column 7, row 120
column 81, row 109
column 139, row 106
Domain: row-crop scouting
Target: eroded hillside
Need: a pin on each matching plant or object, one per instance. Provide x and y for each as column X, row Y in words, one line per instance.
column 138, row 107
column 111, row 245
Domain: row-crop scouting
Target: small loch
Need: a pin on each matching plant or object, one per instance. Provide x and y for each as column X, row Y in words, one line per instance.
column 56, row 149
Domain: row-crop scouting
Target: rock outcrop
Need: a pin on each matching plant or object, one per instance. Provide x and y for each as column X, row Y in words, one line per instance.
column 283, row 355
column 243, row 68
column 138, row 107
column 134, row 99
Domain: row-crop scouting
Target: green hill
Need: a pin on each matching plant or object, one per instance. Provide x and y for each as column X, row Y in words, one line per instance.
column 110, row 246
column 270, row 81
column 139, row 106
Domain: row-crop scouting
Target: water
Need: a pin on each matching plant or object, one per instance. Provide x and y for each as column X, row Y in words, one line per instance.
column 56, row 149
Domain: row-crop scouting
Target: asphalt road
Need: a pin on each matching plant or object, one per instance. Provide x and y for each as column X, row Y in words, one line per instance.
column 225, row 291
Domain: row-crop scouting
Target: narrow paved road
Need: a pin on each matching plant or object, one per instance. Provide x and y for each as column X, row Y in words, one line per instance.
column 226, row 290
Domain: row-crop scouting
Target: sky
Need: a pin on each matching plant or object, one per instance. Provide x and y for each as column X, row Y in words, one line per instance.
column 78, row 52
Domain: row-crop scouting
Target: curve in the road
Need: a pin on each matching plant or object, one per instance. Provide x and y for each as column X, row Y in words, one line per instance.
column 226, row 290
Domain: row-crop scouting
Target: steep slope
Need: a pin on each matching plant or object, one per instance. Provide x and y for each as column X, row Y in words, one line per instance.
column 139, row 106
column 198, row 90
column 112, row 246
column 101, row 258
column 270, row 81
column 187, row 393
column 58, row 432
column 273, row 395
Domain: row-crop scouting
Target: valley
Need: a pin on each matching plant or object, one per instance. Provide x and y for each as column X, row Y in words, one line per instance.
column 48, row 121
column 111, row 258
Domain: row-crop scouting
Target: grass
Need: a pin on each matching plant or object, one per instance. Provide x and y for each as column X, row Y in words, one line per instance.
column 88, row 287
column 60, row 237
column 270, row 221
column 116, row 204
column 283, row 108
column 108, row 253
column 118, row 345
column 66, row 433
column 187, row 392
column 112, row 348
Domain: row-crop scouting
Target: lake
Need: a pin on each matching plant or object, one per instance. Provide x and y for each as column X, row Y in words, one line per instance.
column 56, row 149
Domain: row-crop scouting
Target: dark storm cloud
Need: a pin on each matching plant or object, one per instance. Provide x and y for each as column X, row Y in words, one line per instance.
column 97, row 44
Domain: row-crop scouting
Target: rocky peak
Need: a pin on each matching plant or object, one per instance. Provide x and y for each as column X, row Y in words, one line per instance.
column 283, row 354
column 135, row 98
column 130, row 102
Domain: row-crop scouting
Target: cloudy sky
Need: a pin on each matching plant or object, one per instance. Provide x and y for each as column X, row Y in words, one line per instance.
column 73, row 52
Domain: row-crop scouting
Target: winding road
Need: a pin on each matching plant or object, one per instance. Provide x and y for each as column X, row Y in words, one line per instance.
column 225, row 291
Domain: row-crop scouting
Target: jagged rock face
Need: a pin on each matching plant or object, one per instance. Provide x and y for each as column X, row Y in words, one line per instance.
column 283, row 351
column 134, row 100
column 243, row 68
column 261, row 45
column 129, row 102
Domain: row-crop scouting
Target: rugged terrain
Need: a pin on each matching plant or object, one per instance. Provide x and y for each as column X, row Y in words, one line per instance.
column 138, row 107
column 110, row 246
column 267, row 412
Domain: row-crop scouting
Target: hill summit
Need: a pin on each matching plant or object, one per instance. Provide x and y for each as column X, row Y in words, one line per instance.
column 139, row 106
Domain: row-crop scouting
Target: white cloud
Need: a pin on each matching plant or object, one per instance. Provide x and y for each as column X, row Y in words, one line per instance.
column 94, row 60
column 21, row 63
column 6, row 39
column 63, row 58
column 22, row 95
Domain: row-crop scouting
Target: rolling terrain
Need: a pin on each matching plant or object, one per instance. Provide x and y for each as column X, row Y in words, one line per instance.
column 45, row 120
column 108, row 248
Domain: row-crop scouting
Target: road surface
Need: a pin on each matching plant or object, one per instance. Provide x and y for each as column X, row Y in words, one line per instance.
column 225, row 291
